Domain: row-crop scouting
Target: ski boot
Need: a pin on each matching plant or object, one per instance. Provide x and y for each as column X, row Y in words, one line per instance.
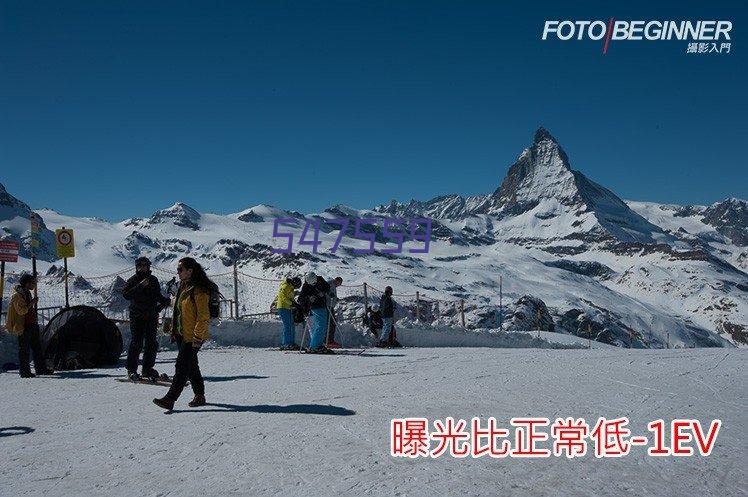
column 151, row 375
column 134, row 376
column 319, row 350
column 333, row 345
column 198, row 401
column 164, row 403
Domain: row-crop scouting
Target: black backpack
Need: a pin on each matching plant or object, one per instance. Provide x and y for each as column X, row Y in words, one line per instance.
column 214, row 302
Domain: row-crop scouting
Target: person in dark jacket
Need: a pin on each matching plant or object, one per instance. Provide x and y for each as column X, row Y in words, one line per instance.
column 313, row 296
column 387, row 307
column 146, row 301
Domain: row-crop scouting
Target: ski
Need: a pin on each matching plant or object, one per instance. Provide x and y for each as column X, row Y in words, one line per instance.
column 146, row 381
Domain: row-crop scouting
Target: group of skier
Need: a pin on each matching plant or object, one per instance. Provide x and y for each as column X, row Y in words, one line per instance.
column 194, row 303
column 317, row 299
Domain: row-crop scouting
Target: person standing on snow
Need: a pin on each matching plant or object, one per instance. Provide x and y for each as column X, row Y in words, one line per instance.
column 387, row 306
column 284, row 303
column 313, row 296
column 146, row 301
column 191, row 315
column 22, row 322
column 332, row 300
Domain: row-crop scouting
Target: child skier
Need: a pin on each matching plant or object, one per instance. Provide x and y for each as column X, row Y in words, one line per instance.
column 373, row 320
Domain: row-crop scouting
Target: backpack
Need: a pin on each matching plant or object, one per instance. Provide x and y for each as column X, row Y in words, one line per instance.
column 214, row 301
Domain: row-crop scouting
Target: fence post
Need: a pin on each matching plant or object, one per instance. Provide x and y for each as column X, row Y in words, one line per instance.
column 67, row 300
column 589, row 335
column 538, row 321
column 236, row 292
column 462, row 311
column 501, row 302
column 2, row 286
column 418, row 306
column 366, row 298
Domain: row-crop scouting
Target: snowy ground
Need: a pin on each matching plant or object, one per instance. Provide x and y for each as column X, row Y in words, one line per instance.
column 291, row 424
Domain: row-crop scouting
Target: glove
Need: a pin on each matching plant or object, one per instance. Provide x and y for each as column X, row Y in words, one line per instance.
column 197, row 343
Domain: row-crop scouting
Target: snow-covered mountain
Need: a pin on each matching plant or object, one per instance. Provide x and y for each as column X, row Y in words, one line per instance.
column 573, row 256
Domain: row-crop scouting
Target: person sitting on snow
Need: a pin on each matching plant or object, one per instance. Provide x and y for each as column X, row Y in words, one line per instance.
column 373, row 320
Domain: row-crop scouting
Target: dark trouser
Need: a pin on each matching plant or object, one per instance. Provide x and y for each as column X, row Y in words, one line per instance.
column 28, row 342
column 142, row 330
column 331, row 326
column 187, row 368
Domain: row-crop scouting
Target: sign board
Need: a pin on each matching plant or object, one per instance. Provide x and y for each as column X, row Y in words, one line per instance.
column 9, row 251
column 65, row 243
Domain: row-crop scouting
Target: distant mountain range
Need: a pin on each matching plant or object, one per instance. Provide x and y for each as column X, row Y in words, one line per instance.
column 574, row 257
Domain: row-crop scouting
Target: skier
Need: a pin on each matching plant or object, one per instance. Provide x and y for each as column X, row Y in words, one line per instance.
column 332, row 300
column 387, row 305
column 313, row 296
column 146, row 301
column 22, row 322
column 284, row 303
column 191, row 315
column 373, row 319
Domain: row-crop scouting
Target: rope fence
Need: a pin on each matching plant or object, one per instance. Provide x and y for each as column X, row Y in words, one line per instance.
column 245, row 296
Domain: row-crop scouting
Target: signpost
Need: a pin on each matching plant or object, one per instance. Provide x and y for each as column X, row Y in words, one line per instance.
column 8, row 253
column 65, row 248
column 35, row 230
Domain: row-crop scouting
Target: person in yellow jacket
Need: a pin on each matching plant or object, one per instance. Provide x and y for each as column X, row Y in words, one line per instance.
column 22, row 322
column 284, row 304
column 190, row 317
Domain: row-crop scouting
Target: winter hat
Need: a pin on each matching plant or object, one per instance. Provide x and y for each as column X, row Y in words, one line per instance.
column 142, row 260
column 388, row 290
column 295, row 281
column 310, row 278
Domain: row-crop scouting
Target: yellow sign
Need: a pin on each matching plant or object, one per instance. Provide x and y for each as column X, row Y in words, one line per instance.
column 65, row 243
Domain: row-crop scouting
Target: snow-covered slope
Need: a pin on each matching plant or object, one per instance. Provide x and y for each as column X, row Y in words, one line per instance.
column 574, row 258
column 304, row 425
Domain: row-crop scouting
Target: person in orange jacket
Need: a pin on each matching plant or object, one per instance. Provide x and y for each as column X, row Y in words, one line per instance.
column 190, row 319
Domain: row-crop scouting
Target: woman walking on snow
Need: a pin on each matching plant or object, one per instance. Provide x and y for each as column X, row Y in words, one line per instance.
column 189, row 329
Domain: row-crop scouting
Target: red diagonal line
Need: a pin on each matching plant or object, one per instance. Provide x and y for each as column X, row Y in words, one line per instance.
column 608, row 35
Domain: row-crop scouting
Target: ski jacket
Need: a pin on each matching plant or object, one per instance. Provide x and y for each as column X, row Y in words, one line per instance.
column 387, row 306
column 146, row 301
column 20, row 305
column 314, row 296
column 193, row 313
column 284, row 300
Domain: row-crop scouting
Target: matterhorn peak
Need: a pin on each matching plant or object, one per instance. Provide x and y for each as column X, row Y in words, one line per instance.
column 542, row 134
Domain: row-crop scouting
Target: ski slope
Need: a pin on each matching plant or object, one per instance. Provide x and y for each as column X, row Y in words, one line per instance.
column 292, row 424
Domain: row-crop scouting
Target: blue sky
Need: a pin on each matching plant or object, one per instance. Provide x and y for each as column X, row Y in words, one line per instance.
column 116, row 109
